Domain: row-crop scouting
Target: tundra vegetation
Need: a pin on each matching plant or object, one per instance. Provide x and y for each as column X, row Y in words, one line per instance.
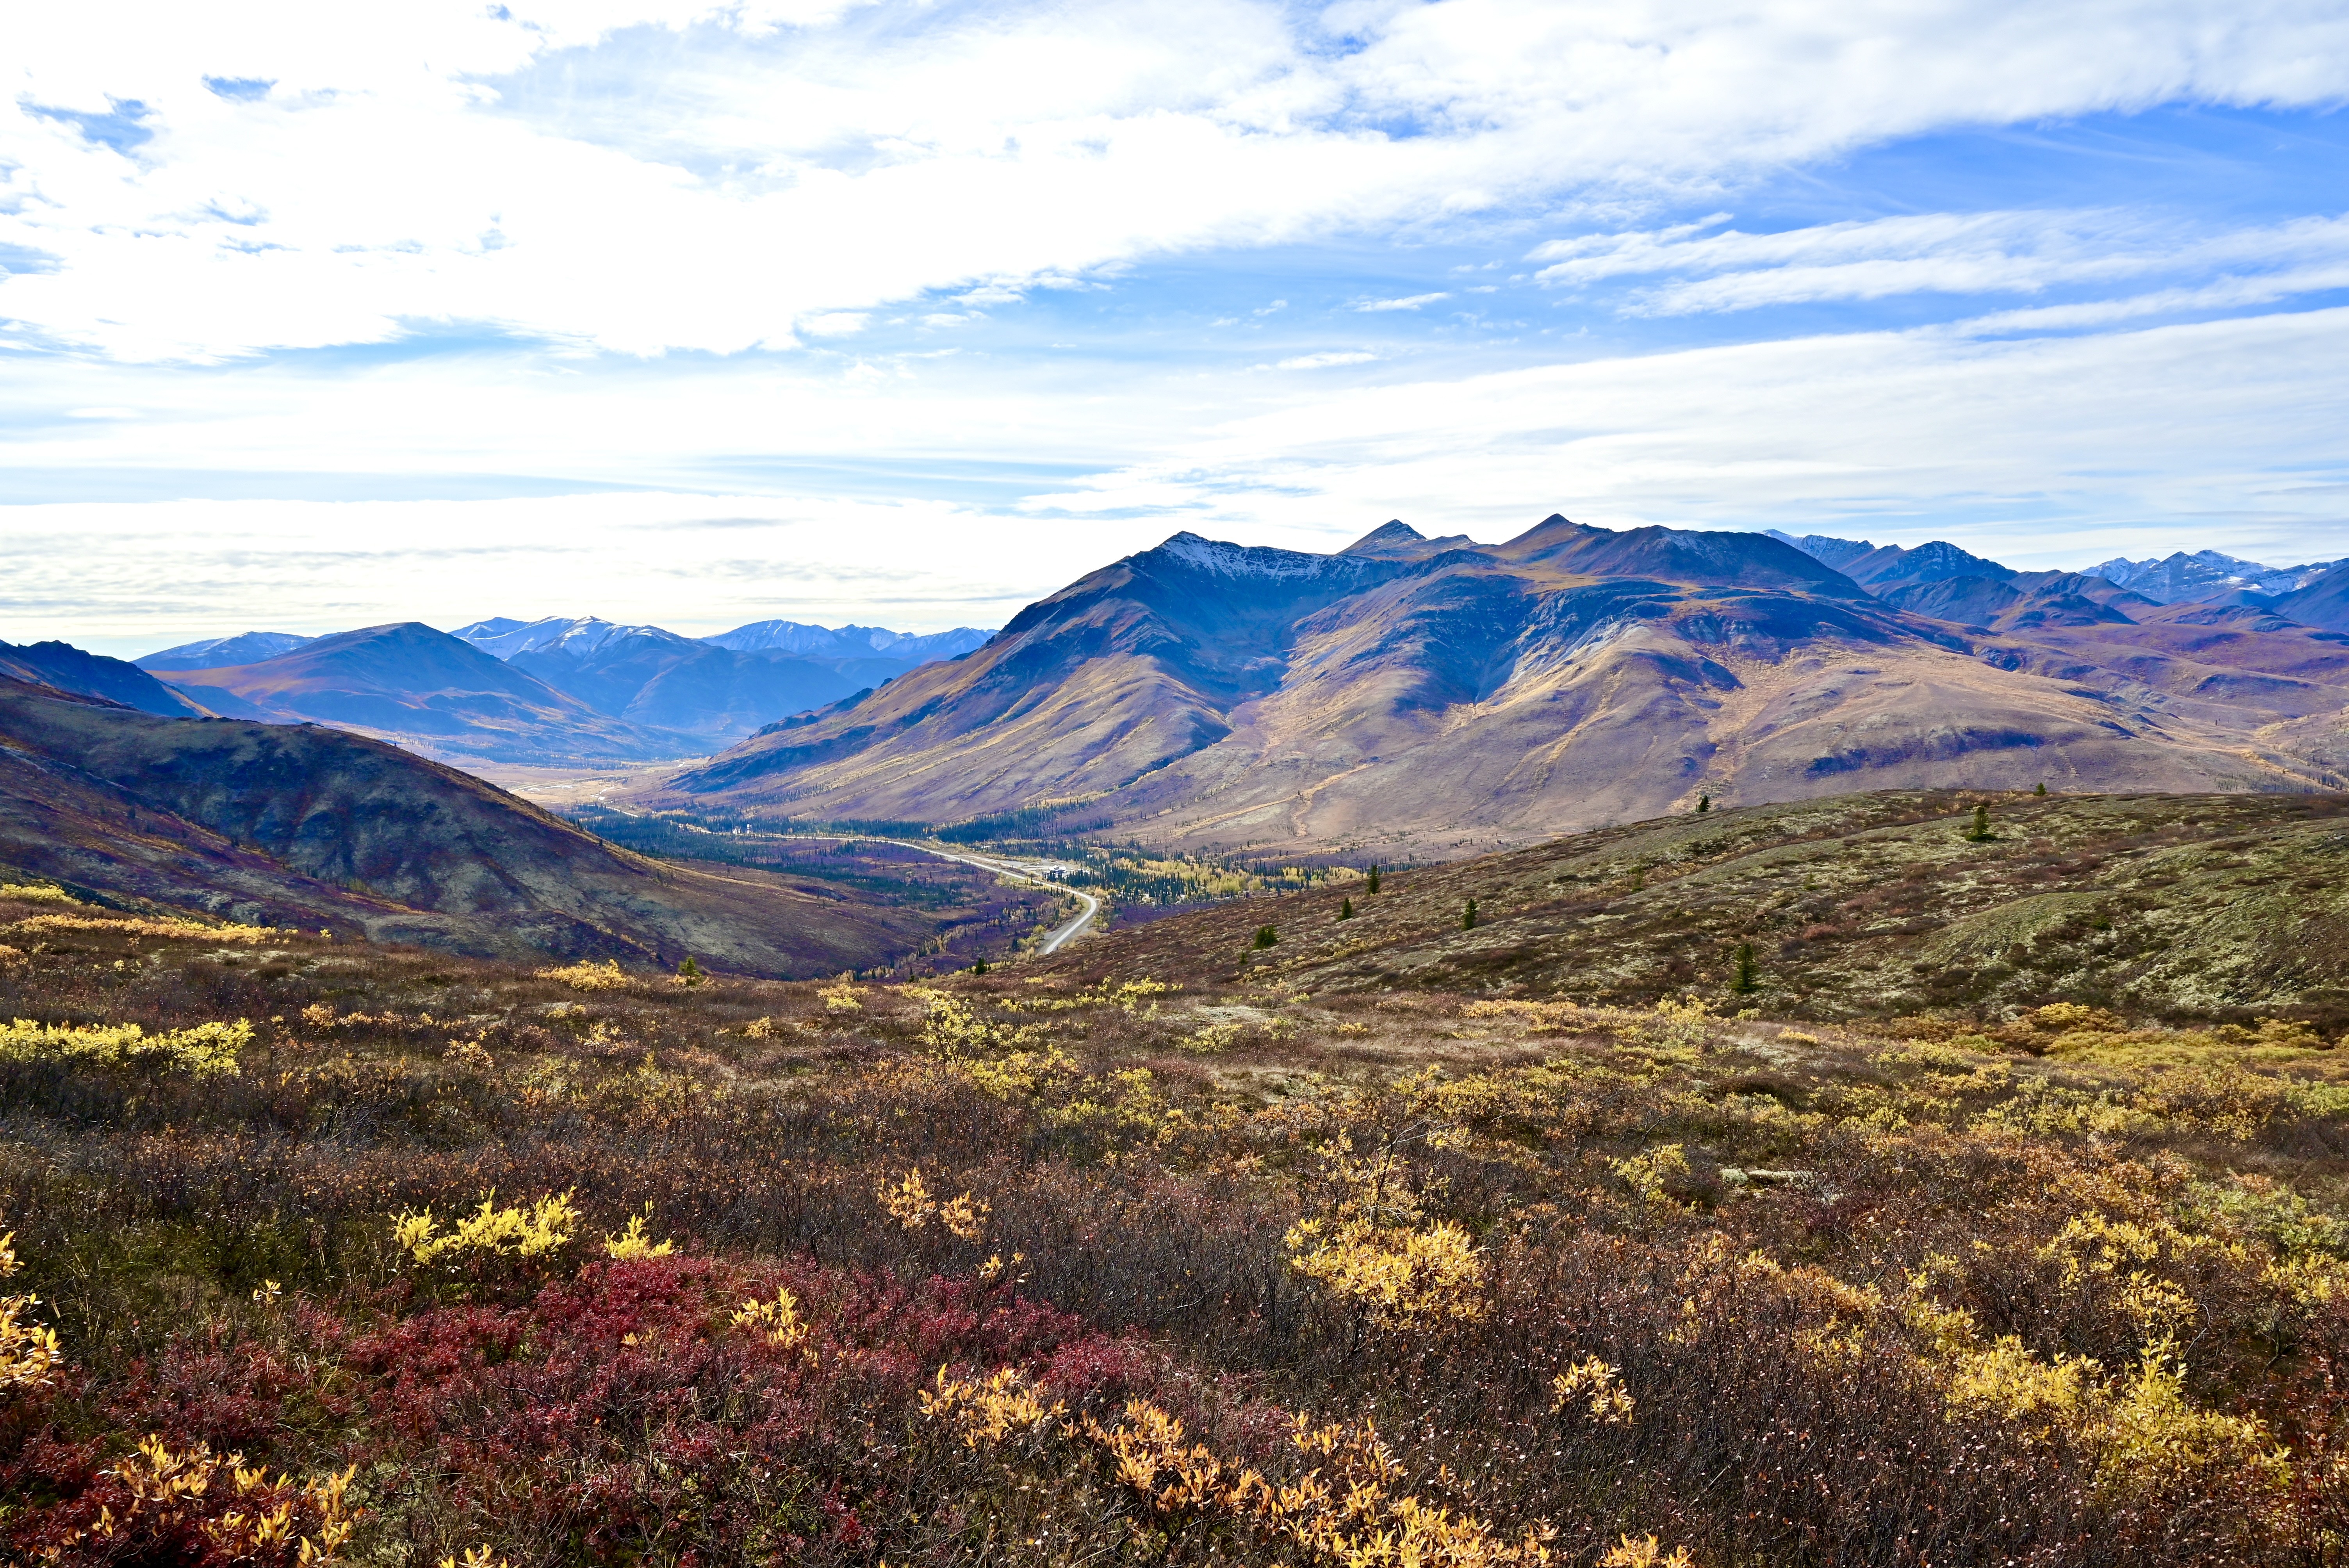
column 320, row 1251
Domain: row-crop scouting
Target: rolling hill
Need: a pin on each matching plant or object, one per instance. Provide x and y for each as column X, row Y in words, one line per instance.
column 2183, row 906
column 312, row 826
column 1431, row 696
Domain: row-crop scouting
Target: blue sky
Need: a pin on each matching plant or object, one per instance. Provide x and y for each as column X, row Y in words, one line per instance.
column 908, row 313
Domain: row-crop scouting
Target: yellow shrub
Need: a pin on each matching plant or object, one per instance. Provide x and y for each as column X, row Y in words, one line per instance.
column 545, row 1228
column 29, row 1354
column 1608, row 1401
column 777, row 1321
column 910, row 1204
column 169, row 1492
column 138, row 925
column 1402, row 1277
column 632, row 1243
column 585, row 976
column 33, row 892
column 1643, row 1552
column 207, row 1050
column 841, row 997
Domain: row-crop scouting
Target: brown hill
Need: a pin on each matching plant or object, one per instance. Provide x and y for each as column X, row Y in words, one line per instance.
column 314, row 826
column 1387, row 699
column 407, row 681
column 2212, row 906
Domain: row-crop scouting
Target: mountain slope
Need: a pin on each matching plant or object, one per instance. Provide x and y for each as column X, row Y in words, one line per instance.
column 311, row 825
column 68, row 668
column 1400, row 699
column 2324, row 601
column 222, row 653
column 408, row 681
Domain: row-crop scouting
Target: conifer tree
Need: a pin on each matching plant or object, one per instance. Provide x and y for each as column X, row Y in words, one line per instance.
column 1265, row 936
column 1346, row 909
column 1703, row 804
column 1981, row 833
column 1746, row 979
column 1468, row 916
column 1374, row 879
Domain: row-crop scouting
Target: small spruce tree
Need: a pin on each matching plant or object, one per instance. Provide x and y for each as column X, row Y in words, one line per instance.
column 1265, row 936
column 2041, row 789
column 1746, row 978
column 979, row 967
column 1981, row 833
column 1346, row 909
column 1374, row 879
column 689, row 973
column 1468, row 916
column 1703, row 804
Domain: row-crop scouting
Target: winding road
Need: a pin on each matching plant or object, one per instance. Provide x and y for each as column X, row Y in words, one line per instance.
column 1054, row 940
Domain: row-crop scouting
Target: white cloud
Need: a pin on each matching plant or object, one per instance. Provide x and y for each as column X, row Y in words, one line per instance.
column 767, row 164
column 1323, row 361
column 1411, row 302
column 1979, row 253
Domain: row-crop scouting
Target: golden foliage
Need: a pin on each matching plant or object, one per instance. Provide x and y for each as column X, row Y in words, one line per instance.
column 1403, row 1278
column 29, row 1353
column 777, row 1321
column 632, row 1243
column 841, row 997
column 1643, row 1552
column 136, row 925
column 167, row 1490
column 545, row 1228
column 988, row 1412
column 34, row 893
column 585, row 976
column 206, row 1050
column 1608, row 1401
column 910, row 1204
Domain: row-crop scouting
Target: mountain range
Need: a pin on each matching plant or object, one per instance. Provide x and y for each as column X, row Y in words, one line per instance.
column 312, row 826
column 1409, row 695
column 552, row 691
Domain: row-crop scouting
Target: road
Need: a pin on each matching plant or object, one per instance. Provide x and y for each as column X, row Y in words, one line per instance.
column 1054, row 940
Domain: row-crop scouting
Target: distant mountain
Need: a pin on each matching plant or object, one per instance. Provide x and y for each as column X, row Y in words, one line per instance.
column 713, row 690
column 407, row 680
column 220, row 652
column 850, row 642
column 2322, row 602
column 1835, row 553
column 1394, row 697
column 1892, row 567
column 649, row 676
column 311, row 826
column 2204, row 575
column 69, row 669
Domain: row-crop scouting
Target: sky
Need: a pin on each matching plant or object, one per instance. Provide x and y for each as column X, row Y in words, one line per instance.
column 907, row 312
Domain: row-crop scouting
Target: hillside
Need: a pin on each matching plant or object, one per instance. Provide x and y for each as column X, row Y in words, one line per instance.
column 1877, row 904
column 1409, row 696
column 312, row 826
column 406, row 681
column 321, row 1254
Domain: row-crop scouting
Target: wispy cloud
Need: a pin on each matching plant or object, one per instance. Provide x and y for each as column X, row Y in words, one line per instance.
column 1323, row 361
column 1409, row 302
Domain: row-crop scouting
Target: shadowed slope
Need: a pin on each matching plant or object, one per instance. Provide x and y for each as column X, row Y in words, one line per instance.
column 407, row 680
column 67, row 668
column 313, row 825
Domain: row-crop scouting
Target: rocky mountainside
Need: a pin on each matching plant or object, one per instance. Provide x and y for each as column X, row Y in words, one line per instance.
column 2183, row 906
column 313, row 826
column 410, row 682
column 1432, row 697
column 850, row 642
column 2207, row 576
